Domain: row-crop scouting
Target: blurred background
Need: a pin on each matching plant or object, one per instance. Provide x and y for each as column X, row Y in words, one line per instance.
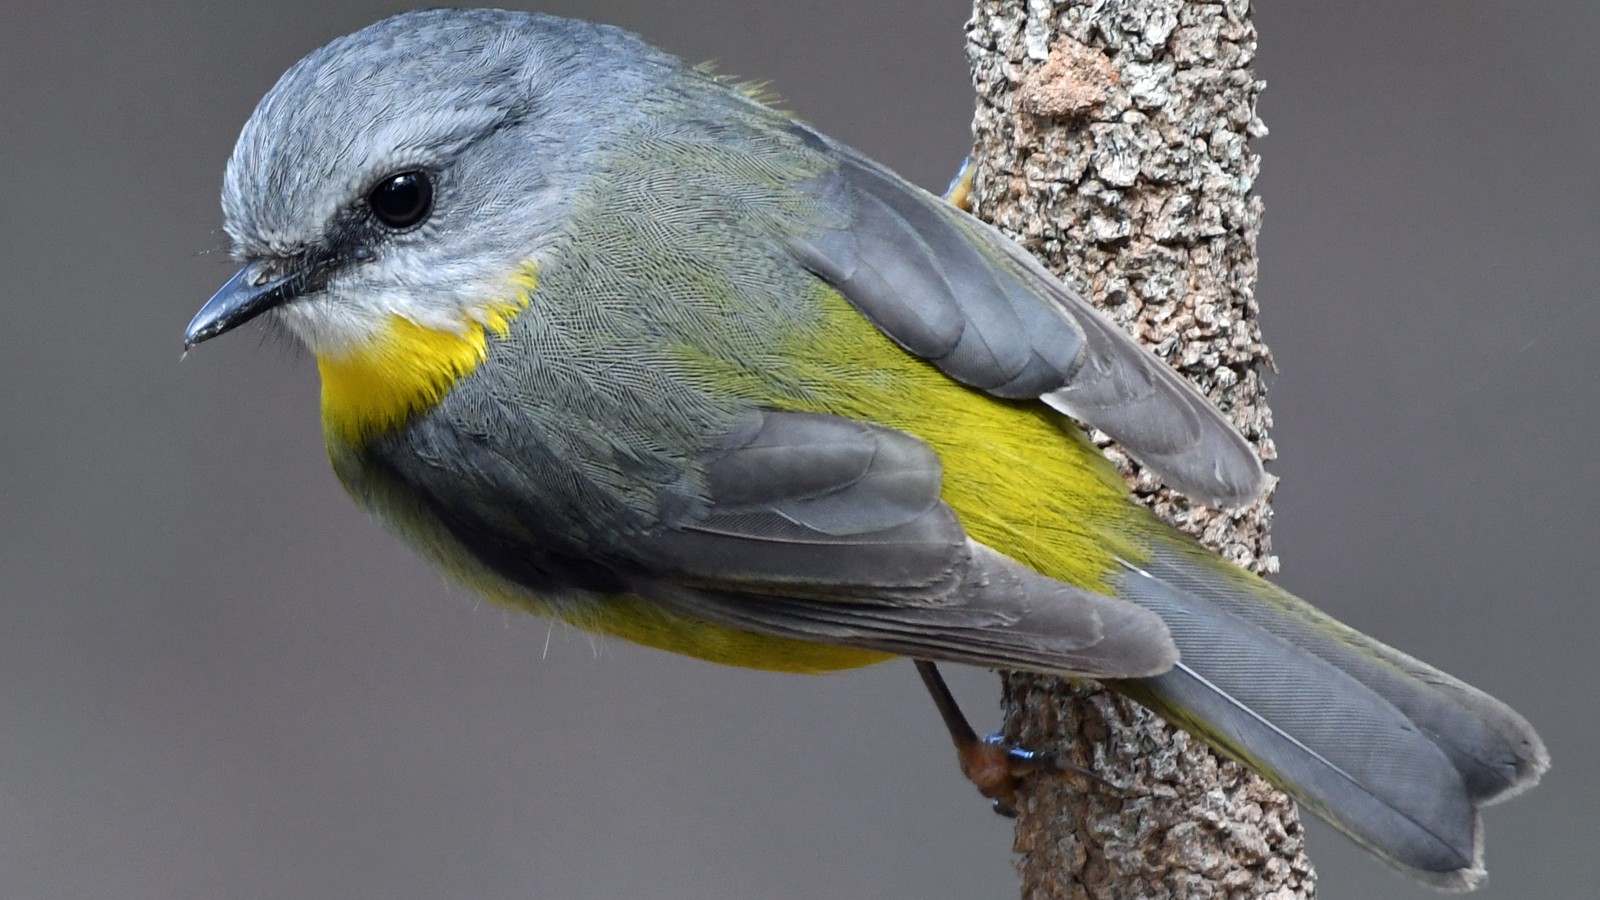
column 218, row 679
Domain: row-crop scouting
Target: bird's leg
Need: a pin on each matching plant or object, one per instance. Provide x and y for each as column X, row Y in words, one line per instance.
column 989, row 762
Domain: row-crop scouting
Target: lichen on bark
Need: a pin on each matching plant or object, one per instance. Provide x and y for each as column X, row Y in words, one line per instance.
column 1112, row 140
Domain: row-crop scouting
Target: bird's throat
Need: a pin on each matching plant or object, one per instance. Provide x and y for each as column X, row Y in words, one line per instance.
column 405, row 369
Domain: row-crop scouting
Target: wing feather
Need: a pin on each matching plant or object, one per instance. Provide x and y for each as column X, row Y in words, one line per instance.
column 955, row 291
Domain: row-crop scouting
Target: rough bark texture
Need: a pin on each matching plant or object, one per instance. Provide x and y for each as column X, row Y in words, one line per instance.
column 1112, row 140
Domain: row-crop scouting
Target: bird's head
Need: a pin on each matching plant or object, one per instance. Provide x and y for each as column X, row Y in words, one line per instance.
column 413, row 172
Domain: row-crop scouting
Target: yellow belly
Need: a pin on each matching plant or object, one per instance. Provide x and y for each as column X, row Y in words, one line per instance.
column 637, row 620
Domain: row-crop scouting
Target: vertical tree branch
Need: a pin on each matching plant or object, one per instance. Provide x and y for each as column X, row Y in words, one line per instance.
column 1111, row 139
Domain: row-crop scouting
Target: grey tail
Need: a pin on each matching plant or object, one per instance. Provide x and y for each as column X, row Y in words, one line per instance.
column 1394, row 753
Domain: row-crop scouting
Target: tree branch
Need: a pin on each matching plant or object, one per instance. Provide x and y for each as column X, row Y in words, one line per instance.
column 1111, row 139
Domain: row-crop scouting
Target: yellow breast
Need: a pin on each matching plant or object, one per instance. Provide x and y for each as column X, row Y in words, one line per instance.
column 406, row 368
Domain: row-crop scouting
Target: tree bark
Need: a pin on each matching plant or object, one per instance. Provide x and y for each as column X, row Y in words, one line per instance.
column 1111, row 139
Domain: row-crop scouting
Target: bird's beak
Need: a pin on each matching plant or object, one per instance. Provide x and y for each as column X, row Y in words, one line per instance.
column 246, row 295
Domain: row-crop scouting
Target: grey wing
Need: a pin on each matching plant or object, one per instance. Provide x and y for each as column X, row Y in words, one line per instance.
column 955, row 291
column 831, row 530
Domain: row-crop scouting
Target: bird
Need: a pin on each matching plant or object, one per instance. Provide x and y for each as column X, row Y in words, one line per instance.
column 609, row 338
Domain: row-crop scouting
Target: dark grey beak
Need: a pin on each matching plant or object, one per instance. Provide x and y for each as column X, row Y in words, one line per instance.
column 240, row 300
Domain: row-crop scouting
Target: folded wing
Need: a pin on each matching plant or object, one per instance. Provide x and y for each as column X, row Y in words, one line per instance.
column 827, row 529
column 955, row 291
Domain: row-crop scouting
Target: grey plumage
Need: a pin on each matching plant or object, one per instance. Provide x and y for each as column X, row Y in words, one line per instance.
column 651, row 425
column 1343, row 750
column 1392, row 751
column 826, row 528
column 1493, row 749
column 955, row 291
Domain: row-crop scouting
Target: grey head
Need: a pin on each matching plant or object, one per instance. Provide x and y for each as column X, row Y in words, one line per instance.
column 414, row 167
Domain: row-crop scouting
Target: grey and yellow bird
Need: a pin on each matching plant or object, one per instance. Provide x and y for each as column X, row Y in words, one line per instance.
column 612, row 341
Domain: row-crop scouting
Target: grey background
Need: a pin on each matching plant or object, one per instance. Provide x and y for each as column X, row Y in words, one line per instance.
column 218, row 680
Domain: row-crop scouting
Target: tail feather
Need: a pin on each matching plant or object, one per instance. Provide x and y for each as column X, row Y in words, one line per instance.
column 1496, row 751
column 1394, row 753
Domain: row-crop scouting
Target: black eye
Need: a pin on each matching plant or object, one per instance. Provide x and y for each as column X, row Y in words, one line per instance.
column 403, row 200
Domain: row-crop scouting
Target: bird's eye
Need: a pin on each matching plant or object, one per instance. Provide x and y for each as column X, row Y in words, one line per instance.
column 403, row 200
